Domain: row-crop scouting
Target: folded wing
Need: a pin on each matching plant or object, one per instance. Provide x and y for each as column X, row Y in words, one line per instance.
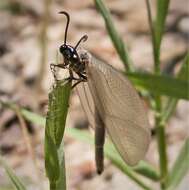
column 121, row 110
column 87, row 102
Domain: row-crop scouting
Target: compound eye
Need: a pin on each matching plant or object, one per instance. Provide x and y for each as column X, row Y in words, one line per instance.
column 67, row 53
column 62, row 48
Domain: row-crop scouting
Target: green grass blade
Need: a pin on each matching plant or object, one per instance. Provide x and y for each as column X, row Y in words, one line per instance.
column 158, row 29
column 184, row 72
column 116, row 39
column 54, row 131
column 33, row 117
column 51, row 160
column 61, row 183
column 172, row 102
column 14, row 8
column 14, row 179
column 161, row 85
column 161, row 14
column 180, row 167
column 58, row 108
column 147, row 170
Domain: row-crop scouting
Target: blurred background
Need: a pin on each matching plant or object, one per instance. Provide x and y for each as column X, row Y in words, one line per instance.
column 30, row 34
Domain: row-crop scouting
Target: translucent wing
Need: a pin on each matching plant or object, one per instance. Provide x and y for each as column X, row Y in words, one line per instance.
column 95, row 121
column 87, row 102
column 121, row 110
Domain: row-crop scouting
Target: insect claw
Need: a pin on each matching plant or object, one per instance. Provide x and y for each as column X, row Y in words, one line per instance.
column 52, row 67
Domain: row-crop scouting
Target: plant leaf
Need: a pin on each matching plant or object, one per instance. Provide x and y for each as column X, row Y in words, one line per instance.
column 58, row 108
column 157, row 30
column 33, row 117
column 116, row 39
column 161, row 13
column 51, row 160
column 61, row 183
column 15, row 180
column 147, row 170
column 54, row 131
column 180, row 167
column 172, row 102
column 161, row 84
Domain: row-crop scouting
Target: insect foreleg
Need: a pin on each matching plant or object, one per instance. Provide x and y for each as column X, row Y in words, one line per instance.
column 53, row 66
column 78, row 81
column 82, row 76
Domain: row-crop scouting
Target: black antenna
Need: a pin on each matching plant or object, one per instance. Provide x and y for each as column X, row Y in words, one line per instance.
column 67, row 24
column 83, row 38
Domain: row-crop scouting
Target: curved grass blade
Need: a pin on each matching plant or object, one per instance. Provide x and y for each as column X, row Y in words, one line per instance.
column 54, row 131
column 172, row 102
column 33, row 117
column 180, row 167
column 161, row 13
column 147, row 170
column 14, row 179
column 157, row 28
column 161, row 85
column 116, row 39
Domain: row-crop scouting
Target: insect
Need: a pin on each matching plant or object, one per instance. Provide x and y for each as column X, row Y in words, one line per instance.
column 72, row 60
column 110, row 102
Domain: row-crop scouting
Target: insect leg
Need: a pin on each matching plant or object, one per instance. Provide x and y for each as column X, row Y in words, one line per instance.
column 71, row 77
column 78, row 81
column 99, row 143
column 62, row 66
column 53, row 66
column 82, row 78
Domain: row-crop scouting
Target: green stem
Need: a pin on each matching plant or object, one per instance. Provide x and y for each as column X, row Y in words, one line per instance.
column 160, row 128
column 160, row 131
column 154, row 46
